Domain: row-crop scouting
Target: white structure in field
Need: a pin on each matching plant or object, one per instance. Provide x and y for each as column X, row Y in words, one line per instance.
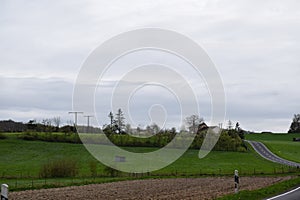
column 236, row 181
column 4, row 192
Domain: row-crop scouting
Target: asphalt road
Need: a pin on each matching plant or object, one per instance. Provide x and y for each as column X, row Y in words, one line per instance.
column 262, row 150
column 291, row 195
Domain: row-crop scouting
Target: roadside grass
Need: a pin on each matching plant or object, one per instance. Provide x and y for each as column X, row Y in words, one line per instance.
column 280, row 144
column 263, row 193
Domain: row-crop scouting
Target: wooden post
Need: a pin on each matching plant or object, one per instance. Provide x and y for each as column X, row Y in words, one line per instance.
column 236, row 181
column 4, row 192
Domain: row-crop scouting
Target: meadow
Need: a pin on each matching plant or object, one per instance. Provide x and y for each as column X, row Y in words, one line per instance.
column 21, row 162
column 280, row 144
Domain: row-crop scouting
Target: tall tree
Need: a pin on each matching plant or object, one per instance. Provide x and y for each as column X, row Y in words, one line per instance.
column 193, row 123
column 295, row 125
column 111, row 117
column 237, row 126
column 120, row 121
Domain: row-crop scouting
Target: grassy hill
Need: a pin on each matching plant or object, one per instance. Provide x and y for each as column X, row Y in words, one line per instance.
column 19, row 157
column 280, row 144
column 21, row 162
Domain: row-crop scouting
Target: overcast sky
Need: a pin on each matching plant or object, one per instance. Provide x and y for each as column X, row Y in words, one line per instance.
column 255, row 46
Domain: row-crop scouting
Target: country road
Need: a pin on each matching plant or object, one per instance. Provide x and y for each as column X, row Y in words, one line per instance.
column 262, row 150
column 291, row 195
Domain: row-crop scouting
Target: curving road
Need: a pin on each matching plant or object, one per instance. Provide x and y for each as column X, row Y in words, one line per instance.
column 262, row 150
column 291, row 195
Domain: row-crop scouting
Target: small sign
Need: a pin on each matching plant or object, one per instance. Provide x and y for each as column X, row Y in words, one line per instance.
column 4, row 192
column 120, row 159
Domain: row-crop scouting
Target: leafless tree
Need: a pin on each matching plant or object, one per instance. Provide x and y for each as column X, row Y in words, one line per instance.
column 56, row 121
column 193, row 122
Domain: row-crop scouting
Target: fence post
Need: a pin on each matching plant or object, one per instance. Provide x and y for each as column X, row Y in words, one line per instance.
column 236, row 181
column 4, row 192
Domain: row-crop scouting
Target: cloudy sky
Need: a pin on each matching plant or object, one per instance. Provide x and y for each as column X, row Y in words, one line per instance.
column 255, row 46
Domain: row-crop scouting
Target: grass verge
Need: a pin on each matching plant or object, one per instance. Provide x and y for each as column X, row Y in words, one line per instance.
column 280, row 144
column 270, row 191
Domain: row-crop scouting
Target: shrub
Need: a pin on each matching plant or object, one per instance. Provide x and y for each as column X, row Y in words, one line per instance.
column 2, row 136
column 59, row 168
column 241, row 149
column 111, row 171
column 93, row 168
column 28, row 136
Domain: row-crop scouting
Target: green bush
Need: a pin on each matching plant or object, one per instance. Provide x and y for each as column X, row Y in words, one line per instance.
column 51, row 137
column 28, row 136
column 229, row 139
column 93, row 168
column 2, row 136
column 59, row 168
column 111, row 171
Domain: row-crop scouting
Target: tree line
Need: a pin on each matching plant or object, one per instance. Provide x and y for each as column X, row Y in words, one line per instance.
column 120, row 133
column 46, row 125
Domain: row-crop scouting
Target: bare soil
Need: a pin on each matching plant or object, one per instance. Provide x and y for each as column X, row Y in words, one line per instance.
column 181, row 188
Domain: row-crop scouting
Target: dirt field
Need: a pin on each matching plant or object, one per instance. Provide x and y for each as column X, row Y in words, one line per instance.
column 182, row 188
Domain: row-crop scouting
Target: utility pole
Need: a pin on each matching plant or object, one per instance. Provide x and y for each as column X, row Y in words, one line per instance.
column 88, row 121
column 75, row 115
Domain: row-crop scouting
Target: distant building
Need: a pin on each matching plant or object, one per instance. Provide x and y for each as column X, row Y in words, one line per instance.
column 202, row 127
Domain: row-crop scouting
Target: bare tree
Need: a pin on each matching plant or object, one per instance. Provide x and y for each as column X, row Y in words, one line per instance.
column 152, row 129
column 44, row 122
column 56, row 121
column 70, row 122
column 193, row 123
column 155, row 128
column 47, row 123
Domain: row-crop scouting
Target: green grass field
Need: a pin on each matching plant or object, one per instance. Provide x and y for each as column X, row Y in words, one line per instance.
column 21, row 161
column 21, row 158
column 280, row 144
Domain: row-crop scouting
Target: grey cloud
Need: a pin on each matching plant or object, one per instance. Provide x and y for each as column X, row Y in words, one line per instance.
column 35, row 93
column 255, row 45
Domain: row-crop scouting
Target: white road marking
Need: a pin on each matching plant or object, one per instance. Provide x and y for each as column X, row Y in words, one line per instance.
column 284, row 194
